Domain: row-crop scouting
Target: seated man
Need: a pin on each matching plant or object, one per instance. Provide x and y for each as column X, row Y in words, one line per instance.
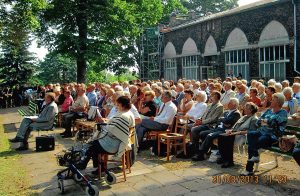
column 162, row 121
column 226, row 122
column 208, row 120
column 271, row 124
column 80, row 106
column 236, row 135
column 44, row 121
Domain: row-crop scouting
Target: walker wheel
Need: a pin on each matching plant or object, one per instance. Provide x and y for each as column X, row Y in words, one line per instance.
column 93, row 191
column 61, row 186
column 78, row 178
column 110, row 178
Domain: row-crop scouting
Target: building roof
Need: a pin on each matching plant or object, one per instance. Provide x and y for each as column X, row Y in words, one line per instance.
column 240, row 9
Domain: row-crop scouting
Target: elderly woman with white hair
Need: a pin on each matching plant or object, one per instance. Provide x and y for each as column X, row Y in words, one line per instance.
column 271, row 125
column 291, row 103
column 198, row 109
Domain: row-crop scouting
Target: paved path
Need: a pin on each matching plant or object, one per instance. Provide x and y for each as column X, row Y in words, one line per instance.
column 147, row 177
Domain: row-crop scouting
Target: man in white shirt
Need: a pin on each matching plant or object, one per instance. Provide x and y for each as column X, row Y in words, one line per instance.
column 225, row 98
column 163, row 119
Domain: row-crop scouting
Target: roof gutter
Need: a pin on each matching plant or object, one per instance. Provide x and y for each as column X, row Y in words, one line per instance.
column 295, row 2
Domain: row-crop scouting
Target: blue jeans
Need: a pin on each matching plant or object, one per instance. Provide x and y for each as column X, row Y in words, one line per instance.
column 296, row 155
column 257, row 140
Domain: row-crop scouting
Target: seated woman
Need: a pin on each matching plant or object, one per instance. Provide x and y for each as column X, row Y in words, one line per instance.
column 45, row 120
column 271, row 124
column 236, row 135
column 186, row 103
column 291, row 103
column 198, row 109
column 148, row 107
column 67, row 102
column 116, row 134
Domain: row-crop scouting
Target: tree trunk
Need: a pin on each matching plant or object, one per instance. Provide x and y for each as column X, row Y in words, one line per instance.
column 81, row 20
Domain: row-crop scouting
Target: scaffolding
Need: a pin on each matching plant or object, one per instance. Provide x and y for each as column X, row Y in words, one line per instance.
column 151, row 44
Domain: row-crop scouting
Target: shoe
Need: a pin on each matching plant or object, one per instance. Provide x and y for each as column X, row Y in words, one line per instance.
column 220, row 161
column 21, row 148
column 227, row 165
column 246, row 173
column 16, row 139
column 67, row 135
column 198, row 157
column 254, row 159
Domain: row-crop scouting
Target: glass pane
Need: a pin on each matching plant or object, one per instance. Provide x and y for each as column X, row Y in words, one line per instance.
column 261, row 53
column 282, row 71
column 235, row 56
column 277, row 71
column 267, row 54
column 243, row 53
column 276, row 52
column 262, row 70
column 246, row 72
column 267, row 70
column 281, row 56
column 240, row 54
column 272, row 53
column 272, row 74
column 231, row 56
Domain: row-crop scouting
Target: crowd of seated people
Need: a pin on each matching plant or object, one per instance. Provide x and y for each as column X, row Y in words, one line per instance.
column 226, row 111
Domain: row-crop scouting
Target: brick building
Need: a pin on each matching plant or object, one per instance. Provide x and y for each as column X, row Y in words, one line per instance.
column 256, row 40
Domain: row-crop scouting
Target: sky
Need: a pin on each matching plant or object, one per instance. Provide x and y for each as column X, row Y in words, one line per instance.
column 41, row 52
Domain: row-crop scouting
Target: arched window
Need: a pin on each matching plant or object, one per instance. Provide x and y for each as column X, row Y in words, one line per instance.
column 189, row 60
column 170, row 65
column 273, row 51
column 236, row 54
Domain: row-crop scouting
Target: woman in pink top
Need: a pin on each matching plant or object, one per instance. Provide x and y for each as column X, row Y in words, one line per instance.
column 67, row 103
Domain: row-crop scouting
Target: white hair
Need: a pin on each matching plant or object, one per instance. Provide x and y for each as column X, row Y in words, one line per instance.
column 235, row 101
column 203, row 95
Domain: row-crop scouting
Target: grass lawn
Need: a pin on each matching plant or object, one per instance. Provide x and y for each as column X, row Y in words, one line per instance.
column 13, row 178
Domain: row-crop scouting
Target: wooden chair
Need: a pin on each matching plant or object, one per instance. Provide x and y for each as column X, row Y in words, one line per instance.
column 125, row 159
column 174, row 139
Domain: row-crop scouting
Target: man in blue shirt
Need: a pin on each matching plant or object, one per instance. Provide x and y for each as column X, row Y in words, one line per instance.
column 91, row 94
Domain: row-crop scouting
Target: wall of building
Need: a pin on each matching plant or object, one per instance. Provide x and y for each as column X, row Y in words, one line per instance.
column 251, row 22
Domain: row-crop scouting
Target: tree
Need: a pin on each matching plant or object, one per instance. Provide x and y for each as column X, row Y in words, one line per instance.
column 202, row 7
column 96, row 31
column 56, row 68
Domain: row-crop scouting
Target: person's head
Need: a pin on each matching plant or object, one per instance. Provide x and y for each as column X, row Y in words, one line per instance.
column 201, row 96
column 166, row 96
column 285, row 83
column 203, row 86
column 253, row 92
column 253, row 83
column 116, row 95
column 297, row 79
column 67, row 93
column 91, row 87
column 278, row 87
column 242, row 88
column 296, row 87
column 227, row 86
column 133, row 89
column 110, row 92
column 271, row 82
column 218, row 87
column 49, row 97
column 179, row 88
column 287, row 92
column 123, row 104
column 158, row 91
column 250, row 108
column 103, row 91
column 149, row 95
column 188, row 94
column 233, row 104
column 80, row 90
column 261, row 88
column 277, row 100
column 215, row 96
column 270, row 90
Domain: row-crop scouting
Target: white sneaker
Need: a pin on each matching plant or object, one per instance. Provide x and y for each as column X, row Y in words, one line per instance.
column 212, row 158
column 246, row 173
column 254, row 159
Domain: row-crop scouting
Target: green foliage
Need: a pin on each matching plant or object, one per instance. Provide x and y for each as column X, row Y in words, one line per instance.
column 56, row 68
column 109, row 77
column 103, row 32
column 202, row 7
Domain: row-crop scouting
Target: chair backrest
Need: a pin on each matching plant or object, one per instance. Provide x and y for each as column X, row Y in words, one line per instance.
column 33, row 107
column 181, row 123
